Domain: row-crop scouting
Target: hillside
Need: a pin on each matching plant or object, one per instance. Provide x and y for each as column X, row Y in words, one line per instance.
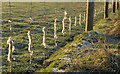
column 95, row 51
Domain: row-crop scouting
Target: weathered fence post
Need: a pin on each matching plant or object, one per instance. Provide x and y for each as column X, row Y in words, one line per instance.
column 90, row 15
column 106, row 3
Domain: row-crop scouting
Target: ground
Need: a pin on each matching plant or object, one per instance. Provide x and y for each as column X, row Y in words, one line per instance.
column 97, row 50
column 88, row 52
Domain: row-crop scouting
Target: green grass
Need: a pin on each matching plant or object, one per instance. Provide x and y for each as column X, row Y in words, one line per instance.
column 19, row 33
column 89, row 59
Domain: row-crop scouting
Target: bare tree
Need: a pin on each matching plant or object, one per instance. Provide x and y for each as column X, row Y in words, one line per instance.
column 106, row 3
column 89, row 15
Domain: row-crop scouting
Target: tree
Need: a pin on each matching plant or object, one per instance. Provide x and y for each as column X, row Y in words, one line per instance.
column 89, row 15
column 114, row 6
column 106, row 3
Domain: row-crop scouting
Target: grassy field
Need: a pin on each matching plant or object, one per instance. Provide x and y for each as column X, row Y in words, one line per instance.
column 20, row 25
column 20, row 29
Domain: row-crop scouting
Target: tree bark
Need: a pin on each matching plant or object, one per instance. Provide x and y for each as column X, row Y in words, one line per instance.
column 89, row 15
column 106, row 3
column 114, row 6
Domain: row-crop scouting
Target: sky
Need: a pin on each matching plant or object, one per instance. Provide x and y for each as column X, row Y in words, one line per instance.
column 51, row 0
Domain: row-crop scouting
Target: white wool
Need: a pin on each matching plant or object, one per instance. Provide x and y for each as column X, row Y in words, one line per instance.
column 31, row 20
column 9, row 39
column 10, row 49
column 80, row 19
column 75, row 21
column 9, row 21
column 44, row 36
column 30, row 42
column 63, row 26
column 69, row 25
column 65, row 15
column 55, row 29
column 13, row 48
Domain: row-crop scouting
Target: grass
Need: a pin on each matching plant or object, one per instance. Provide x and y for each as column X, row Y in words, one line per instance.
column 89, row 59
column 19, row 31
column 43, row 56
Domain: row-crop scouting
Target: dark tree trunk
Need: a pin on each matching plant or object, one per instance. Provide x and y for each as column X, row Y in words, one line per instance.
column 113, row 6
column 89, row 15
column 106, row 3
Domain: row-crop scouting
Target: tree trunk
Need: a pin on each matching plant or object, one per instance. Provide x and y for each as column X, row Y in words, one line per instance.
column 89, row 15
column 106, row 3
column 113, row 6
